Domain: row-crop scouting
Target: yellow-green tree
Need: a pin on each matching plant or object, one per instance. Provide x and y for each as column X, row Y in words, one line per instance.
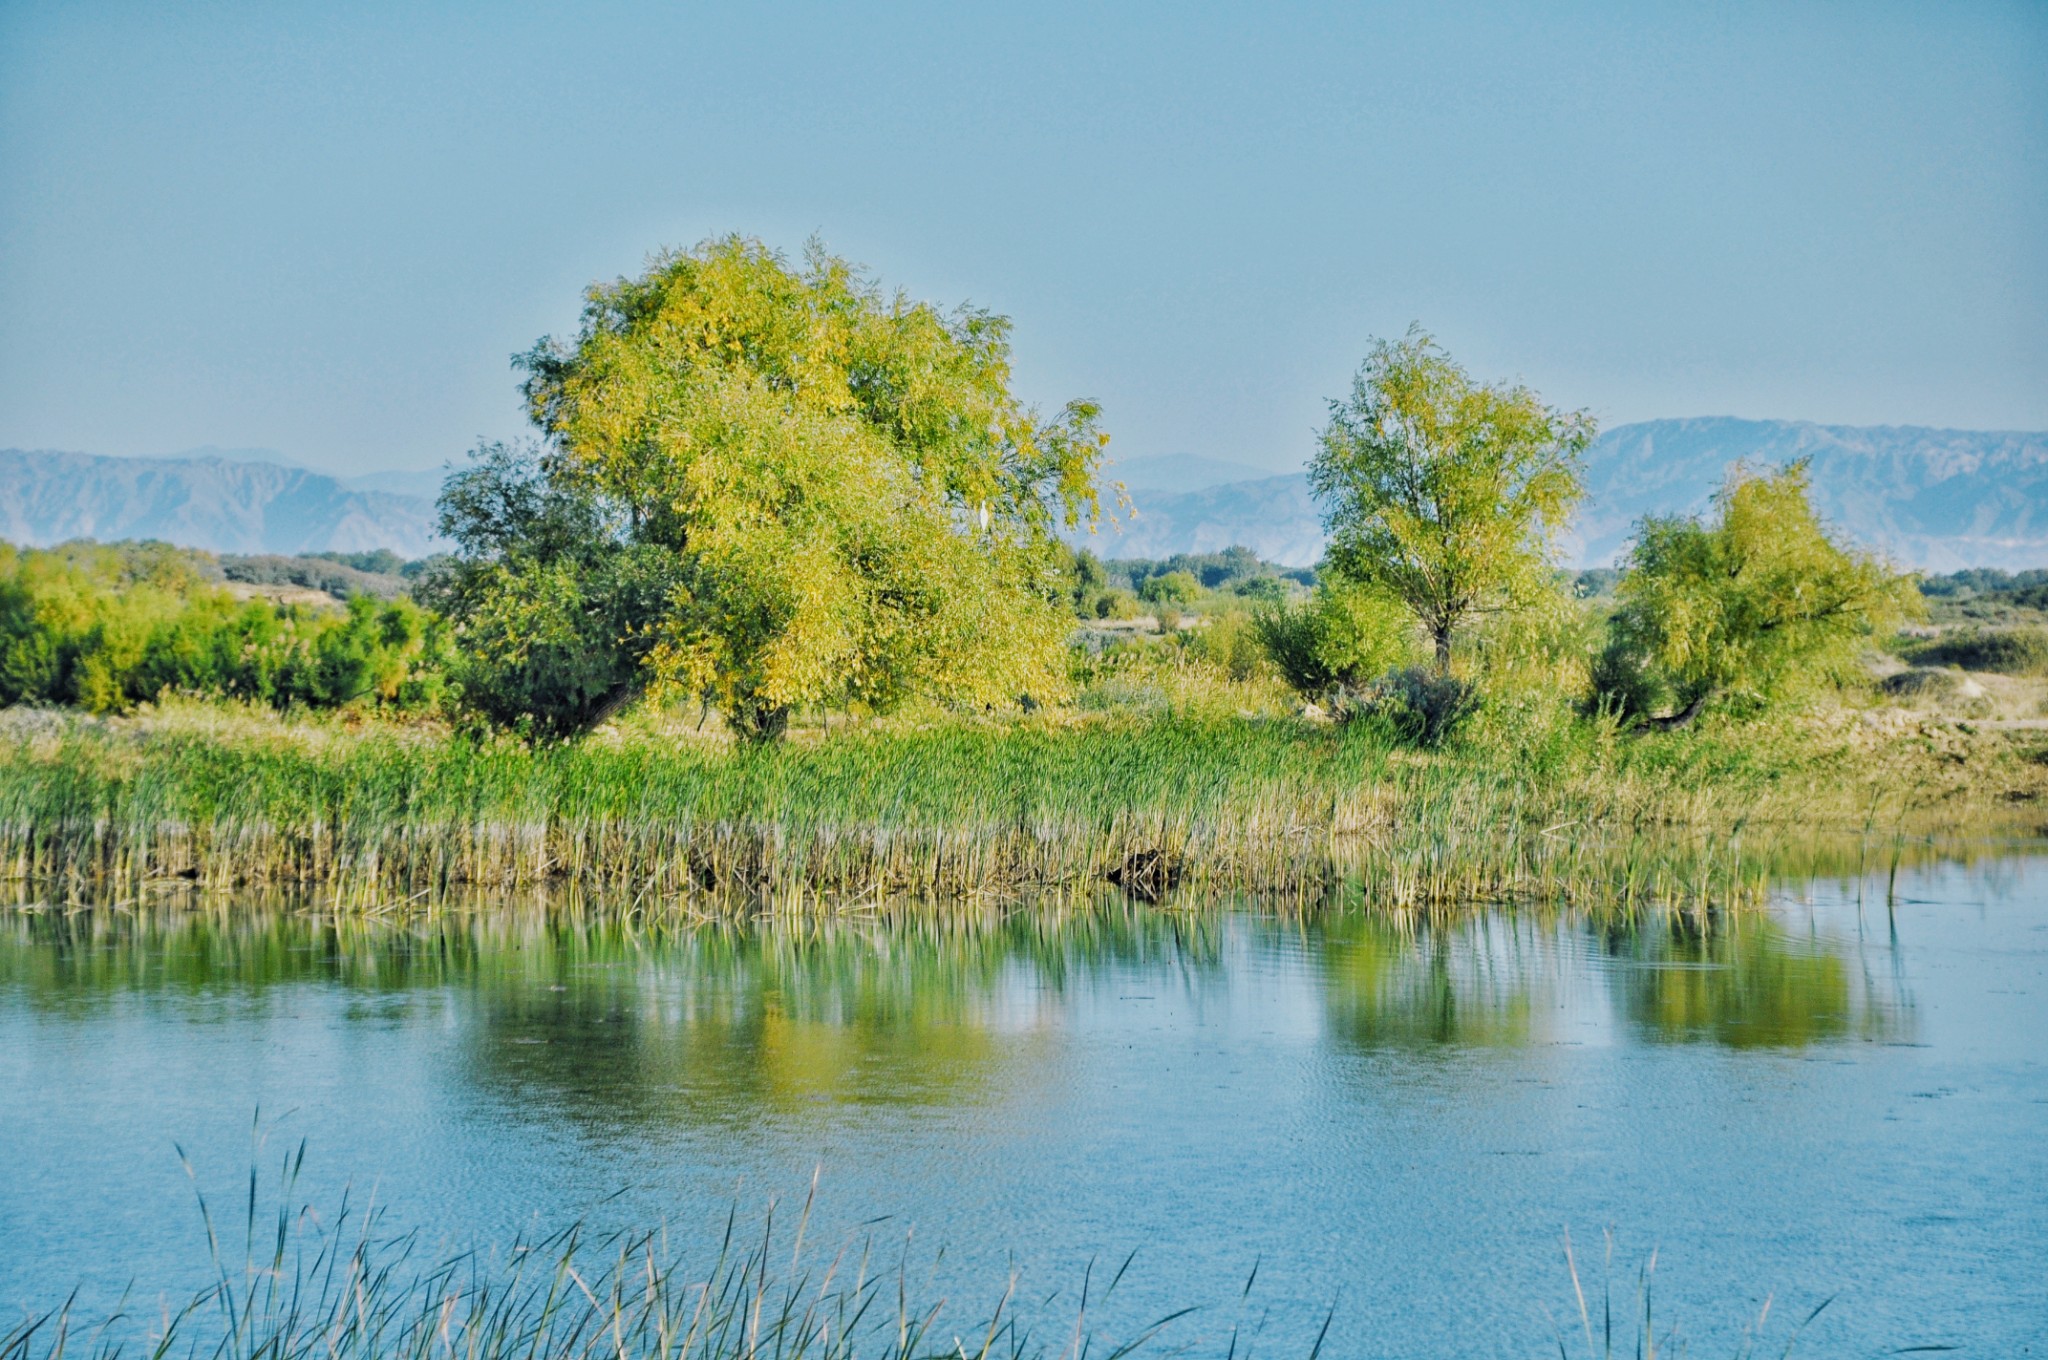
column 1743, row 604
column 853, row 506
column 1443, row 492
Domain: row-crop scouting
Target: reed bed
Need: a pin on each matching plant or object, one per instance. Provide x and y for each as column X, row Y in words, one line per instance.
column 98, row 811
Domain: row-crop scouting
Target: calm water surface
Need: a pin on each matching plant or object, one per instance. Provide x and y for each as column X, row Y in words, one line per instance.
column 1826, row 1100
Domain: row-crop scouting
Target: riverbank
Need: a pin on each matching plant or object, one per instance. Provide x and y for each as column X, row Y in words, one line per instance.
column 227, row 798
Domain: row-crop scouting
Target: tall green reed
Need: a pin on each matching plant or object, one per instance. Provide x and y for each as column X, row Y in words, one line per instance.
column 953, row 810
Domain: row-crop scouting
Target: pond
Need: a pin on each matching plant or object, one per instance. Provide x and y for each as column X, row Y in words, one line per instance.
column 1393, row 1122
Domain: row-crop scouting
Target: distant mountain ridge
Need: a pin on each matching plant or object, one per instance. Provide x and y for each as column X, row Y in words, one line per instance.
column 1273, row 516
column 219, row 504
column 1935, row 499
column 1938, row 500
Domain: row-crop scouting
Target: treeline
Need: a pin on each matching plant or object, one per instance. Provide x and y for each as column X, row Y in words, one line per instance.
column 766, row 487
column 105, row 627
column 382, row 573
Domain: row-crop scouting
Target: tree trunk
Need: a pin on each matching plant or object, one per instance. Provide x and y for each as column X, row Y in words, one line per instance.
column 760, row 722
column 1442, row 634
column 1684, row 716
column 613, row 703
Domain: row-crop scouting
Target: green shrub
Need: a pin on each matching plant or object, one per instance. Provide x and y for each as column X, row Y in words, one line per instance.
column 1231, row 644
column 1173, row 587
column 1116, row 604
column 2007, row 651
column 1418, row 705
column 106, row 628
column 1341, row 635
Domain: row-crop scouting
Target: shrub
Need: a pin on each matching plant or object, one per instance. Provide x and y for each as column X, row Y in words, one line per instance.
column 1419, row 705
column 321, row 571
column 1116, row 604
column 1173, row 587
column 104, row 629
column 1231, row 644
column 1929, row 683
column 2007, row 651
column 1341, row 635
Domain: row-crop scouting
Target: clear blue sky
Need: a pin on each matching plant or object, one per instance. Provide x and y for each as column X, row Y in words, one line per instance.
column 324, row 228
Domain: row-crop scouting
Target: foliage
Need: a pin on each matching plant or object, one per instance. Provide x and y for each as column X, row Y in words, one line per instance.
column 838, row 494
column 1231, row 569
column 106, row 628
column 374, row 562
column 1418, row 705
column 1088, row 584
column 1746, row 605
column 1983, row 581
column 322, row 571
column 1230, row 642
column 549, row 594
column 1173, row 587
column 1342, row 635
column 1443, row 492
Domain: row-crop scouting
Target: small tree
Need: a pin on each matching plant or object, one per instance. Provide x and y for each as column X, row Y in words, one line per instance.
column 1742, row 605
column 1443, row 492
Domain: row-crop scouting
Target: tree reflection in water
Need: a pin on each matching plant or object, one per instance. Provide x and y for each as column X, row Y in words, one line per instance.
column 1745, row 981
column 1484, row 980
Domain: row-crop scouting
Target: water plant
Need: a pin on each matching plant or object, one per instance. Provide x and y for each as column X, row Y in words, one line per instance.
column 343, row 1286
column 94, row 811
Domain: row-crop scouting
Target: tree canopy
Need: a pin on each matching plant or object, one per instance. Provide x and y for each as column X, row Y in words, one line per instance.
column 1442, row 491
column 830, row 490
column 1741, row 604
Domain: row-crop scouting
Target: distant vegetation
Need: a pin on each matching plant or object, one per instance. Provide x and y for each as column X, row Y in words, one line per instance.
column 382, row 573
column 777, row 494
column 105, row 628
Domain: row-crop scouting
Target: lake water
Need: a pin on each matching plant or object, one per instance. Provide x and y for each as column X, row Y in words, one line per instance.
column 1829, row 1099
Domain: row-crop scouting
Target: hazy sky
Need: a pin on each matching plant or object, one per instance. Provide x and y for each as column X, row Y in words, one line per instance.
column 324, row 228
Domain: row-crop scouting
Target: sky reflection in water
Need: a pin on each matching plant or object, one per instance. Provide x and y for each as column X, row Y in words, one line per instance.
column 1404, row 1117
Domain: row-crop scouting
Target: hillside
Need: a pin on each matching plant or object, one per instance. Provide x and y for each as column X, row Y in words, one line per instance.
column 220, row 504
column 1934, row 499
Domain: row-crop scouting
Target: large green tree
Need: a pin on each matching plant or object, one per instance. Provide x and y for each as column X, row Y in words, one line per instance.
column 1744, row 603
column 1443, row 492
column 837, row 493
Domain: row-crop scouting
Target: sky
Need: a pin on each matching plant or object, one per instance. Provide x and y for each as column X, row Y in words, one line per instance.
column 324, row 229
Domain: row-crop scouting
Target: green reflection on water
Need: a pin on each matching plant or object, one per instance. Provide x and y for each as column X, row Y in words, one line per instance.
column 1394, row 984
column 615, row 1024
column 1750, row 983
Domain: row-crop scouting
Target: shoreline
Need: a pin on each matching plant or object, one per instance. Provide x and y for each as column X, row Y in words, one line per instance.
column 215, row 799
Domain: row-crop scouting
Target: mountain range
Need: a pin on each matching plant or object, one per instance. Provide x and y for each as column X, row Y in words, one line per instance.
column 204, row 500
column 1933, row 499
column 1938, row 500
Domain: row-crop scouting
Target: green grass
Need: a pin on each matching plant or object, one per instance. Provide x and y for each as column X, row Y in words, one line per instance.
column 957, row 809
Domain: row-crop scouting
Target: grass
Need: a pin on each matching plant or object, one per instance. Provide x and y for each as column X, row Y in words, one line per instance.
column 314, row 1286
column 222, row 798
column 288, row 1281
